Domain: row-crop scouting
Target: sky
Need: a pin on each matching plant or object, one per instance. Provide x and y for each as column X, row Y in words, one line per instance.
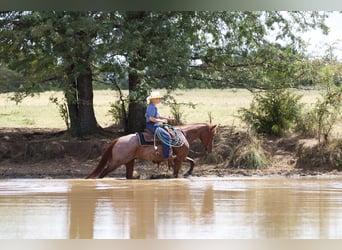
column 319, row 42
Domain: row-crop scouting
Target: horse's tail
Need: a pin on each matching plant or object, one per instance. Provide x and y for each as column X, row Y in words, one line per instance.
column 103, row 162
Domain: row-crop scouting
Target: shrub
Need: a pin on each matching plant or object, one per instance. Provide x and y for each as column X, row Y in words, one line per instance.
column 328, row 111
column 176, row 113
column 320, row 120
column 272, row 112
column 62, row 109
column 306, row 123
column 118, row 112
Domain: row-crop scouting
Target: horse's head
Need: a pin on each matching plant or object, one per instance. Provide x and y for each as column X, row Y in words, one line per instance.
column 207, row 137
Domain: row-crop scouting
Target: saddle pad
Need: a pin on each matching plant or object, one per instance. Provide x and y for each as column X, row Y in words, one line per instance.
column 146, row 138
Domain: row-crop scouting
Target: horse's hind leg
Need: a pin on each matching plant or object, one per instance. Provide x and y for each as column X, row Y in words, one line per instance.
column 130, row 169
column 110, row 167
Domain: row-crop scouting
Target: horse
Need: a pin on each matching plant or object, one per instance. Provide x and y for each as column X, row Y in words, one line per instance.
column 205, row 134
column 126, row 149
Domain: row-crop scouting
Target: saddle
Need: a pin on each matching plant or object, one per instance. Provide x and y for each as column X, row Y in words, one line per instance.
column 147, row 138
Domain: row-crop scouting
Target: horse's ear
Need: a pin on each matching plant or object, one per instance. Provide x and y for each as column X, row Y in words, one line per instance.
column 213, row 127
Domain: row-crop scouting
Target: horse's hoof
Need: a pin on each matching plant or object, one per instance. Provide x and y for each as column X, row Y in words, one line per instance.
column 135, row 175
column 186, row 175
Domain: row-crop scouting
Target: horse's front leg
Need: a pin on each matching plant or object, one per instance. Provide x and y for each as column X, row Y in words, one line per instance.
column 176, row 167
column 192, row 164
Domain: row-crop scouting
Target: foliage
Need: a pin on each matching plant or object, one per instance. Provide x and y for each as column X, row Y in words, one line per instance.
column 320, row 120
column 118, row 113
column 318, row 72
column 306, row 123
column 175, row 107
column 176, row 113
column 167, row 49
column 273, row 112
column 235, row 50
column 62, row 109
column 328, row 111
column 9, row 80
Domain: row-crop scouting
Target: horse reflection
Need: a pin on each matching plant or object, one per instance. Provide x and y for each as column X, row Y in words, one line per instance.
column 136, row 210
column 82, row 206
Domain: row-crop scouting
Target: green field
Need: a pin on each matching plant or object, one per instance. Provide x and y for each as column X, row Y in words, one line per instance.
column 221, row 105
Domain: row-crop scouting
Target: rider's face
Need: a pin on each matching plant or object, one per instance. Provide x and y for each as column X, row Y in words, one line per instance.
column 156, row 101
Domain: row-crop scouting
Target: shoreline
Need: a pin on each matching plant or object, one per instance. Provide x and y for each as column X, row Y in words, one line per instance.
column 50, row 154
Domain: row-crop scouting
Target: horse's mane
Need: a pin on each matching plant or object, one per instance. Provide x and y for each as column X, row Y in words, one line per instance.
column 185, row 126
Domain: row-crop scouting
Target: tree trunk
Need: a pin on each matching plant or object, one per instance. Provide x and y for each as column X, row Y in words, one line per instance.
column 137, row 100
column 87, row 123
column 136, row 109
column 80, row 105
column 136, row 117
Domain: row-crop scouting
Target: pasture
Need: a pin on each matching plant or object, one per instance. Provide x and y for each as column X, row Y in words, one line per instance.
column 219, row 105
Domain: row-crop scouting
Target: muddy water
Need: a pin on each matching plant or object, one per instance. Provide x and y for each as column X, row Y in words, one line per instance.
column 187, row 208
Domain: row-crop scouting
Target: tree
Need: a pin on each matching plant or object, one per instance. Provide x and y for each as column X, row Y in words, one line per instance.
column 59, row 46
column 154, row 48
column 240, row 51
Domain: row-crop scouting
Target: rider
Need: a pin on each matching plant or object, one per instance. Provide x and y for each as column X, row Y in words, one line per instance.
column 153, row 121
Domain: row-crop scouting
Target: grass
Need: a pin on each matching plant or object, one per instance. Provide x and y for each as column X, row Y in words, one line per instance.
column 221, row 105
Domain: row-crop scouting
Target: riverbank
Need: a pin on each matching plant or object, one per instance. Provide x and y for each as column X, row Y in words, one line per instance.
column 50, row 153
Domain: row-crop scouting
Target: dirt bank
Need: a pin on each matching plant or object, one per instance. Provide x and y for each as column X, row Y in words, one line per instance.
column 46, row 153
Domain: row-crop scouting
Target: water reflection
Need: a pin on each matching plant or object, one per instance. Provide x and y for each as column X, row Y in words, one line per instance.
column 191, row 208
column 82, row 205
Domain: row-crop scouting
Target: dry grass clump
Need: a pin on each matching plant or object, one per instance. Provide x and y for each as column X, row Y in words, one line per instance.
column 249, row 154
column 325, row 155
column 213, row 158
column 335, row 153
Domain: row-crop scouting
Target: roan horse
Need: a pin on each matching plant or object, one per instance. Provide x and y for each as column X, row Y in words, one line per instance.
column 124, row 150
column 205, row 134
